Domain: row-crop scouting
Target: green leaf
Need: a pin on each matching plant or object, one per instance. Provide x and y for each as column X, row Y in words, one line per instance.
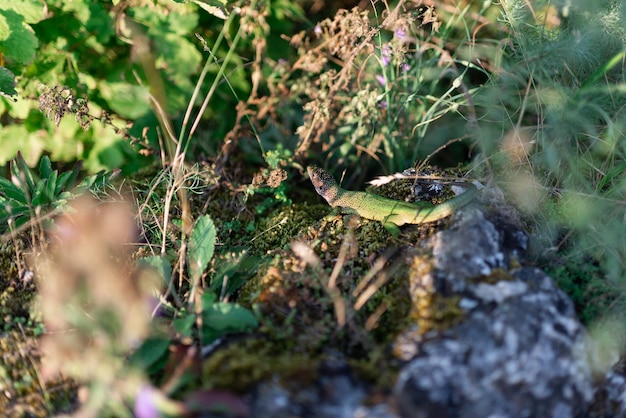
column 228, row 317
column 150, row 351
column 184, row 325
column 21, row 171
column 236, row 267
column 158, row 263
column 31, row 10
column 182, row 56
column 18, row 210
column 86, row 184
column 11, row 191
column 39, row 197
column 21, row 44
column 128, row 101
column 214, row 7
column 201, row 246
column 208, row 299
column 62, row 181
column 45, row 167
column 74, row 175
column 7, row 80
column 51, row 187
column 5, row 30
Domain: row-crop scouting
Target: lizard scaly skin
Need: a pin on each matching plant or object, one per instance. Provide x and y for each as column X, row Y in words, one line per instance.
column 378, row 208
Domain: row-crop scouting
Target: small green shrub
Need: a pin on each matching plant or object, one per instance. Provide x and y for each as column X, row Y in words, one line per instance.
column 27, row 196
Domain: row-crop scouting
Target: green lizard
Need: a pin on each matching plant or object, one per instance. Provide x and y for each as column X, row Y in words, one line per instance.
column 392, row 213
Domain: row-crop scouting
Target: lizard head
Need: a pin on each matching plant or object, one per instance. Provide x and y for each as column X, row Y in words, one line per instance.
column 325, row 184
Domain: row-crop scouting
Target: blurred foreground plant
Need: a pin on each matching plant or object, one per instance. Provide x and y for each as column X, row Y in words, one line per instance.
column 96, row 309
column 551, row 129
column 97, row 306
column 552, row 126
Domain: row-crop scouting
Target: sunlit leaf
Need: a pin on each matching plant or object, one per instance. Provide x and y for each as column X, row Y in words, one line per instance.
column 216, row 8
column 21, row 44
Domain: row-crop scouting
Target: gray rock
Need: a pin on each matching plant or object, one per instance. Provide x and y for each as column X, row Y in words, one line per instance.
column 519, row 350
column 518, row 353
column 336, row 394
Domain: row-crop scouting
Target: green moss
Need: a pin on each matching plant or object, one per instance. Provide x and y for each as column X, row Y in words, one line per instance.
column 278, row 229
column 496, row 275
column 22, row 392
column 15, row 293
column 246, row 362
column 430, row 309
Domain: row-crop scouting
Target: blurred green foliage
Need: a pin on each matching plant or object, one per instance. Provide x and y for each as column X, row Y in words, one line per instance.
column 89, row 49
column 552, row 123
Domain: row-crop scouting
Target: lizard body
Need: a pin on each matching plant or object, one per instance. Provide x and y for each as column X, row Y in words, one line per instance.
column 391, row 213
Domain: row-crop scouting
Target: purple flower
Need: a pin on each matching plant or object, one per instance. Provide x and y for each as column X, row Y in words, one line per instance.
column 381, row 80
column 385, row 55
column 405, row 66
column 318, row 30
column 383, row 104
column 145, row 403
column 400, row 33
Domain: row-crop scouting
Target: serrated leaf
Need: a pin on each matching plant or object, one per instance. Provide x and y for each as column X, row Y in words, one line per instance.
column 201, row 246
column 7, row 79
column 45, row 167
